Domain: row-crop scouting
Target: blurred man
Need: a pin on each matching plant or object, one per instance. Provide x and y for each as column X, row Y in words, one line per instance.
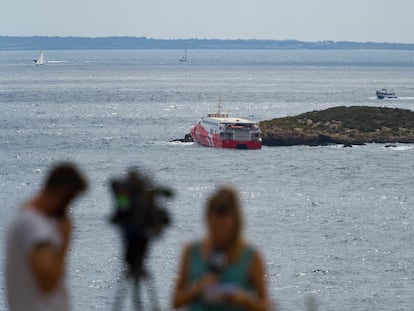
column 37, row 244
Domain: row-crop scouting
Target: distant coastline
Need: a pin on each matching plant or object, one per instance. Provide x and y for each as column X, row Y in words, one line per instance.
column 100, row 43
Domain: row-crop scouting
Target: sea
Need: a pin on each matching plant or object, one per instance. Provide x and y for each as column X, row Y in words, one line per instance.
column 334, row 224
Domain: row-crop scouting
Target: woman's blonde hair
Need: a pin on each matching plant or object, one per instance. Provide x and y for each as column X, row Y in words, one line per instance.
column 225, row 201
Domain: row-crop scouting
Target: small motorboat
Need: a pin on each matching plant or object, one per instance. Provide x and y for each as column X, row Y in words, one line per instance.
column 385, row 93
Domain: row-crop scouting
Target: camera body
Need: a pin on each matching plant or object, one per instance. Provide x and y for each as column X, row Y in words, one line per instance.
column 139, row 215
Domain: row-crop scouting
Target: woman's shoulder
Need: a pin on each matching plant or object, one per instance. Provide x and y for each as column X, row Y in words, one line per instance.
column 193, row 244
column 256, row 258
column 250, row 248
column 252, row 253
column 190, row 247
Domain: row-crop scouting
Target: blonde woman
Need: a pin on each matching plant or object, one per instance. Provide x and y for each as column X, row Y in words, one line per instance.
column 222, row 271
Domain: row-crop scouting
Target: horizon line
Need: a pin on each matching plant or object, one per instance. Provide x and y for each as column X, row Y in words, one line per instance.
column 204, row 39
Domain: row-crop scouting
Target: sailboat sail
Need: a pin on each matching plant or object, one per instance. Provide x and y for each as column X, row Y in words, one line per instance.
column 184, row 57
column 41, row 59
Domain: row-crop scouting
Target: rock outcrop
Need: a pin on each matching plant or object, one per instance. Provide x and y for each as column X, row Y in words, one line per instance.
column 187, row 139
column 341, row 125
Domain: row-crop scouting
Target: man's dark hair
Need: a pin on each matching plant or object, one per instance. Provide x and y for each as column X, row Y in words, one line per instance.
column 65, row 175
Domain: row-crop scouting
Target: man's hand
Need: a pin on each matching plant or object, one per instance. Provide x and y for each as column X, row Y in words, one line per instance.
column 48, row 263
column 66, row 230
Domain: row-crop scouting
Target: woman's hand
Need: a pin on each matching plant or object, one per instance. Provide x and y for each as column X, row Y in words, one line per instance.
column 238, row 298
column 185, row 293
column 204, row 283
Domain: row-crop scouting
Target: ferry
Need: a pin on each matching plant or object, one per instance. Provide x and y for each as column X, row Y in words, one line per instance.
column 385, row 93
column 218, row 130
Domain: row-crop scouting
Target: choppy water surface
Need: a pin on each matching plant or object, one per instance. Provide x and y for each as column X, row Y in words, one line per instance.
column 333, row 222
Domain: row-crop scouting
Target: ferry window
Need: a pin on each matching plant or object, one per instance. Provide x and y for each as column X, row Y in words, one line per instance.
column 211, row 131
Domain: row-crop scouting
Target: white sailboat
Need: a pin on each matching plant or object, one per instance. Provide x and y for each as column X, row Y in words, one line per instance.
column 183, row 59
column 41, row 59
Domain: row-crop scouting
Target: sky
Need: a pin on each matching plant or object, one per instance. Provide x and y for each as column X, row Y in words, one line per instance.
column 308, row 20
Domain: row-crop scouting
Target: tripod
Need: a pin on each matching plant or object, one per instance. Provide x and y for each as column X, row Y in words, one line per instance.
column 134, row 281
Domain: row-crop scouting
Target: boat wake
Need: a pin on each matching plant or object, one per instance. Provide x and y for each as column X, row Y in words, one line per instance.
column 180, row 143
column 400, row 148
column 406, row 98
column 392, row 99
column 56, row 61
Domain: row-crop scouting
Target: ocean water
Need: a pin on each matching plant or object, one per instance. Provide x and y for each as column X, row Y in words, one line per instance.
column 335, row 223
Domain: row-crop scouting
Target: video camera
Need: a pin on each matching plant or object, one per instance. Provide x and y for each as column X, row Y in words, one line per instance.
column 139, row 215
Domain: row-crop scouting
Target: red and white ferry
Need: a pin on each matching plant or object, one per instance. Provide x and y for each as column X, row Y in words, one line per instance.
column 219, row 131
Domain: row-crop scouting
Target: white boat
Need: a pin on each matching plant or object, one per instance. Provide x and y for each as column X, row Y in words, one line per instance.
column 385, row 93
column 41, row 59
column 183, row 59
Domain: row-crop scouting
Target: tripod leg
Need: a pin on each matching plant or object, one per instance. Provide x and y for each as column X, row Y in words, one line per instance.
column 152, row 292
column 136, row 296
column 120, row 295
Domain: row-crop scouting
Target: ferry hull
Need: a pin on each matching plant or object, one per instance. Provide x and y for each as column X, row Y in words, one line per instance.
column 204, row 138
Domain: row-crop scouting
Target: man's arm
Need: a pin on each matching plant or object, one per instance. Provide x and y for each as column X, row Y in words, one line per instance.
column 48, row 263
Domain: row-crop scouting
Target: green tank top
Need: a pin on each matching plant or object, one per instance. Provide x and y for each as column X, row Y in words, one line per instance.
column 236, row 274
